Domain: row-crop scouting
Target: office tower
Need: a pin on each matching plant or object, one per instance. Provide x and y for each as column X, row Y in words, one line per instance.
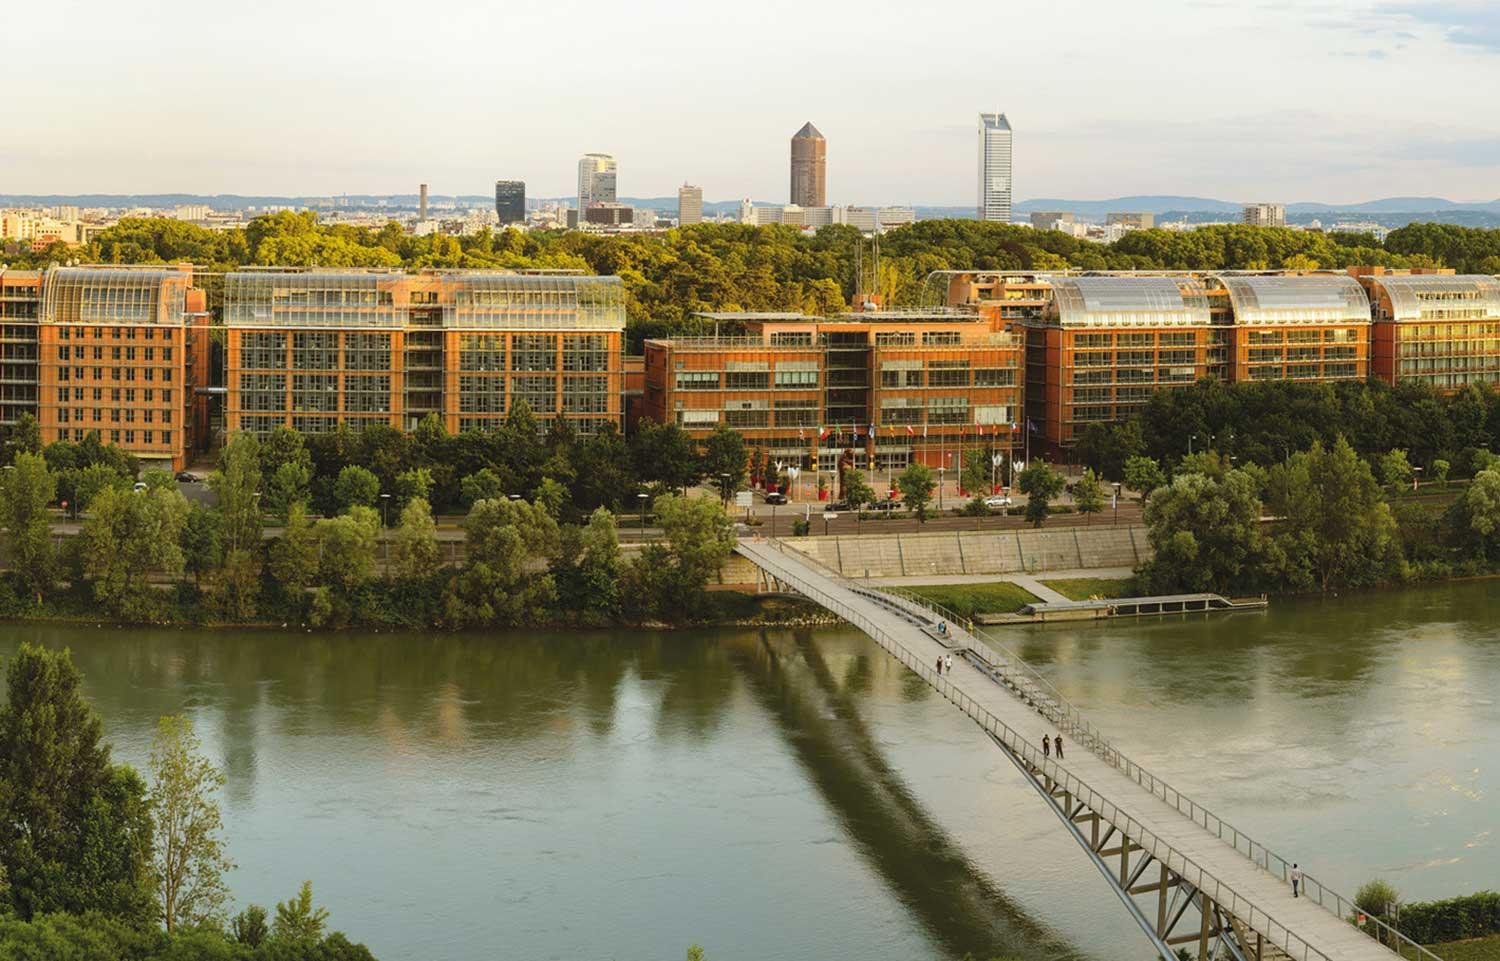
column 994, row 167
column 422, row 202
column 809, row 168
column 596, row 180
column 510, row 201
column 1265, row 215
column 689, row 205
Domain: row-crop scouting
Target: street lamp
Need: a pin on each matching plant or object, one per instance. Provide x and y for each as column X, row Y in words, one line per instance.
column 827, row 516
column 641, row 498
column 1117, row 503
column 942, row 470
column 385, row 509
column 1416, row 478
column 385, row 534
column 724, row 486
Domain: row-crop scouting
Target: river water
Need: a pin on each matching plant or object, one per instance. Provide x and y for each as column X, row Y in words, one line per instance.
column 792, row 794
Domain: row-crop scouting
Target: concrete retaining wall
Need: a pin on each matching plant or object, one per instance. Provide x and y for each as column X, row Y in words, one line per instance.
column 976, row 552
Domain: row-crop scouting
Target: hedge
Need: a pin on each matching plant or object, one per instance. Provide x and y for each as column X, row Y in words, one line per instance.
column 1456, row 919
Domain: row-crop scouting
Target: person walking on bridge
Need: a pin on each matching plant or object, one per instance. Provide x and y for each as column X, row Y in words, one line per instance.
column 940, row 664
column 1057, row 742
column 1046, row 746
column 1296, row 880
column 948, row 663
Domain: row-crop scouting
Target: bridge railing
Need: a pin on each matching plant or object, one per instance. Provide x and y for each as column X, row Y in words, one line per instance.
column 1174, row 860
column 1040, row 693
column 1066, row 716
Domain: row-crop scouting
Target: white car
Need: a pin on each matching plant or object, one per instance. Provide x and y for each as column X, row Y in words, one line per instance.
column 996, row 502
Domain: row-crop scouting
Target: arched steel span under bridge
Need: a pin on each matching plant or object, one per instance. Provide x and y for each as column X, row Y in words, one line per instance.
column 1184, row 874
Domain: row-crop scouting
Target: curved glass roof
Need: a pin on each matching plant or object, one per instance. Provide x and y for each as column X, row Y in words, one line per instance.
column 1311, row 299
column 1128, row 302
column 465, row 299
column 1441, row 296
column 114, row 295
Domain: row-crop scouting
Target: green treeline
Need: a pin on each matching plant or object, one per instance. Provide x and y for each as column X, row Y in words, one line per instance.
column 98, row 865
column 339, row 529
column 1310, row 487
column 671, row 275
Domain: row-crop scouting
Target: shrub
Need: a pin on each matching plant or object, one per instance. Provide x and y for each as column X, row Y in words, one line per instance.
column 1456, row 919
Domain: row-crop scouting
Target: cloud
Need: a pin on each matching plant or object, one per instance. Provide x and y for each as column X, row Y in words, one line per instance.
column 1470, row 23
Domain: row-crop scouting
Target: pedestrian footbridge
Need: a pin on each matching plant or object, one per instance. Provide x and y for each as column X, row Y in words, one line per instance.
column 1186, row 876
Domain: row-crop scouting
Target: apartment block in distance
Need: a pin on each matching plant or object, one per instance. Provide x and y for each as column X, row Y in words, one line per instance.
column 20, row 302
column 313, row 349
column 121, row 351
column 806, row 389
column 1434, row 327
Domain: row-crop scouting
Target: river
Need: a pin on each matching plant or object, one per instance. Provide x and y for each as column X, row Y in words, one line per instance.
column 792, row 794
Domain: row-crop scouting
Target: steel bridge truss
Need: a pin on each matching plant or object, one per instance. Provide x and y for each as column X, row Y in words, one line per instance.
column 1157, row 898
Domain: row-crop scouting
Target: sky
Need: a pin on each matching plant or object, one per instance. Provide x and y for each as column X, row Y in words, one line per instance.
column 1239, row 100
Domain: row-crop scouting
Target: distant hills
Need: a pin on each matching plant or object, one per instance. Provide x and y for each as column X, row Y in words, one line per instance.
column 1388, row 211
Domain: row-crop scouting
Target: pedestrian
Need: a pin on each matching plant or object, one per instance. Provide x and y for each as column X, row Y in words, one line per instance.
column 1057, row 741
column 949, row 664
column 1046, row 746
column 1296, row 880
column 940, row 664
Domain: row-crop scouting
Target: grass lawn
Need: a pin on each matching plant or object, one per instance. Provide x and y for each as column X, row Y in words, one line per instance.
column 967, row 600
column 1475, row 949
column 1084, row 588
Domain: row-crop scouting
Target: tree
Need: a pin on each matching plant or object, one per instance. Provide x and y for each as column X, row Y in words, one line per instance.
column 857, row 490
column 202, row 542
column 294, row 555
column 298, row 920
column 249, row 927
column 413, row 484
column 27, row 489
column 1088, row 495
column 975, row 475
column 1107, row 448
column 725, row 461
column 1205, row 534
column 500, row 584
column 190, row 852
column 237, row 484
column 1335, row 528
column 664, row 454
column 75, row 830
column 588, row 577
column 916, row 484
column 1439, row 472
column 289, row 484
column 90, row 480
column 130, row 536
column 415, row 545
column 1378, row 899
column 1040, row 483
column 25, row 437
column 483, row 485
column 355, row 487
column 1396, row 471
column 346, row 546
column 1144, row 475
column 1480, row 509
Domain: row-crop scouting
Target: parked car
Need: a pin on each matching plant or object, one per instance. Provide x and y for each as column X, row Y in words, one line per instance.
column 996, row 502
column 890, row 504
column 775, row 497
column 139, row 486
column 186, row 478
column 837, row 506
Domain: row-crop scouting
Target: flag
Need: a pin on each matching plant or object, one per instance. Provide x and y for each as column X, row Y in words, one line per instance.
column 822, row 432
column 872, row 432
column 924, row 431
column 1031, row 425
column 910, row 430
column 801, row 434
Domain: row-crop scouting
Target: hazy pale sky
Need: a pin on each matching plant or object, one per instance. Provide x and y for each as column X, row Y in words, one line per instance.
column 1332, row 100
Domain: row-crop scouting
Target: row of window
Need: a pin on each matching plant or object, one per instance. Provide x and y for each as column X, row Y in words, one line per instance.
column 78, row 352
column 127, row 436
column 1135, row 339
column 117, row 415
column 115, row 373
column 114, row 333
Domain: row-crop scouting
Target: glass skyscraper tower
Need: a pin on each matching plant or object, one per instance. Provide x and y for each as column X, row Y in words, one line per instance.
column 994, row 167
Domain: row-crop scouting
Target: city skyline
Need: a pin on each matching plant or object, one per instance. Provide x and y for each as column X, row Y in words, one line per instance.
column 1097, row 124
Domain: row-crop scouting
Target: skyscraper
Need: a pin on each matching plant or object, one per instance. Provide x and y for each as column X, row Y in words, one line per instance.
column 994, row 167
column 422, row 202
column 689, row 205
column 809, row 168
column 510, row 201
column 596, row 180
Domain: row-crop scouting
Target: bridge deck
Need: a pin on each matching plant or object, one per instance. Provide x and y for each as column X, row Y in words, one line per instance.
column 1259, row 898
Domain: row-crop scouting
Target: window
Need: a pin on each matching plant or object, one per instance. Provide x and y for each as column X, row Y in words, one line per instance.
column 697, row 380
column 534, row 352
column 895, row 338
column 941, row 338
column 481, row 352
column 948, row 373
column 747, row 380
column 796, row 379
column 995, row 377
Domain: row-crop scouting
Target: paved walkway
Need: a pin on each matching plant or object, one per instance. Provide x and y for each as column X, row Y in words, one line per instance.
column 918, row 580
column 1260, row 899
column 1042, row 591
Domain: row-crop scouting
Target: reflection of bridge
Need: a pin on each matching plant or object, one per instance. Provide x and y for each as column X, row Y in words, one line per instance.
column 1185, row 875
